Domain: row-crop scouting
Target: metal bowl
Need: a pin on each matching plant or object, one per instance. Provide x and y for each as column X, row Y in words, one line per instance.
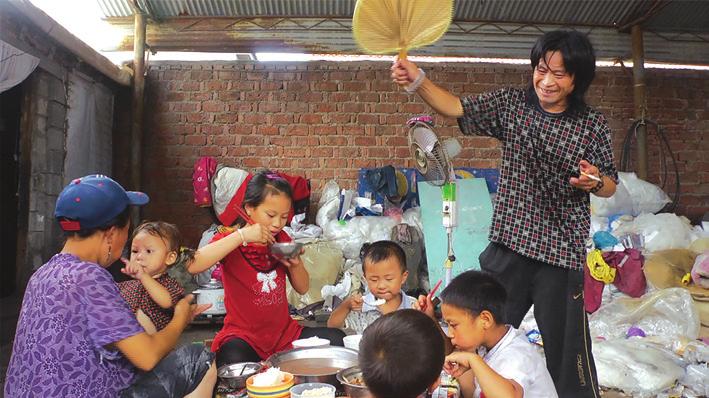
column 286, row 250
column 315, row 364
column 352, row 390
column 234, row 375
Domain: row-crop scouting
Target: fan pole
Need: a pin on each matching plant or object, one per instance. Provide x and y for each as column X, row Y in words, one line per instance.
column 449, row 222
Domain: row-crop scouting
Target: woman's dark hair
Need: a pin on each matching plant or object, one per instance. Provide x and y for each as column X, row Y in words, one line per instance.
column 397, row 339
column 120, row 221
column 171, row 236
column 579, row 62
column 380, row 251
column 262, row 184
column 475, row 292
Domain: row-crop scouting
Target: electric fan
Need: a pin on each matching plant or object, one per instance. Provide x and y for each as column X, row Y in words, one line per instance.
column 432, row 158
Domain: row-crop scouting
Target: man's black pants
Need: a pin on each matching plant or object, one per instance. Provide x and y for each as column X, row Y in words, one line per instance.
column 557, row 295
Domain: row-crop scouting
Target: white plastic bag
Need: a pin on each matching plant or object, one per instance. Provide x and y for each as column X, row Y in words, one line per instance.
column 696, row 378
column 329, row 204
column 660, row 231
column 635, row 366
column 667, row 312
column 620, row 203
column 647, row 197
column 302, row 233
column 352, row 234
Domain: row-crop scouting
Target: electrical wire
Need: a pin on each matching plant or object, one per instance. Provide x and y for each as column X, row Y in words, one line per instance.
column 665, row 152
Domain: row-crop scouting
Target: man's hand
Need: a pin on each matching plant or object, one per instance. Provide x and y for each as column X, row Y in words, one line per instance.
column 404, row 72
column 586, row 181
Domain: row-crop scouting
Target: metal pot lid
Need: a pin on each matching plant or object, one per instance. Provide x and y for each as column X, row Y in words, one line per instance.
column 212, row 284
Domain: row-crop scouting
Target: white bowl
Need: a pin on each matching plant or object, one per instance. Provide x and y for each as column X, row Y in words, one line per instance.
column 352, row 341
column 310, row 342
column 297, row 391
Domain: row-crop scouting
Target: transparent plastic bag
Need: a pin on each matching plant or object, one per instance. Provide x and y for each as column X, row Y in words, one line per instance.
column 636, row 367
column 660, row 231
column 696, row 379
column 620, row 203
column 412, row 217
column 647, row 197
column 324, row 263
column 329, row 204
column 667, row 312
column 350, row 235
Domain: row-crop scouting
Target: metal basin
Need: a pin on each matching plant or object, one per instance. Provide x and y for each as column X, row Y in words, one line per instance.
column 234, row 375
column 350, row 378
column 315, row 364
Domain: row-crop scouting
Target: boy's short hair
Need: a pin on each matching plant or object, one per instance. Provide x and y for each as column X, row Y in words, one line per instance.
column 475, row 292
column 404, row 339
column 382, row 250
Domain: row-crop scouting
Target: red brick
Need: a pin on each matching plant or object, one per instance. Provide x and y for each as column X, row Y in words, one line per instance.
column 325, row 108
column 297, row 130
column 267, row 130
column 324, row 130
column 195, row 140
column 252, row 139
column 269, row 107
column 254, row 118
column 325, row 86
column 322, row 152
column 213, row 106
column 311, row 118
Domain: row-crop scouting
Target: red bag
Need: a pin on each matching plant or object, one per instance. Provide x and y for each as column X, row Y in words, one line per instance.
column 204, row 169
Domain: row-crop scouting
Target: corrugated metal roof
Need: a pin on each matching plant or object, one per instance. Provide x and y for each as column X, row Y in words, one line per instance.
column 595, row 13
column 678, row 32
column 685, row 15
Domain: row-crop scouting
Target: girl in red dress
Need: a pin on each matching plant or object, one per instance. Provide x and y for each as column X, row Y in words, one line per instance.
column 258, row 322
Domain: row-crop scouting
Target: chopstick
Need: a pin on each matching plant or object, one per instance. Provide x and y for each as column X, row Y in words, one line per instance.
column 429, row 296
column 438, row 284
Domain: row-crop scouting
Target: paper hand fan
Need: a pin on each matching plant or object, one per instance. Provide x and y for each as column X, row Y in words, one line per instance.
column 396, row 26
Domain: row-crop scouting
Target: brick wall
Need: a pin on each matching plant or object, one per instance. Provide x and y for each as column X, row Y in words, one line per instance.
column 326, row 120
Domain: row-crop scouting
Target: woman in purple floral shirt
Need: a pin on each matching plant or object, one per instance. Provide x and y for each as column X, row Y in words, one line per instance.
column 76, row 336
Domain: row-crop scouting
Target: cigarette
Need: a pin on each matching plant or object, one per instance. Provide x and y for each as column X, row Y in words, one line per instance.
column 591, row 176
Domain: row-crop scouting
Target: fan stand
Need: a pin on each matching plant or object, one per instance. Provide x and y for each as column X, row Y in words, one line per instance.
column 449, row 223
column 421, row 150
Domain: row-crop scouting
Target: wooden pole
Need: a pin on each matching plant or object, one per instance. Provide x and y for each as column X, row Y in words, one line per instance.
column 137, row 106
column 639, row 92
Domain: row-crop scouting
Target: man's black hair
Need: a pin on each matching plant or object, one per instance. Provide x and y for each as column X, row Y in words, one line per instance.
column 382, row 250
column 475, row 292
column 579, row 61
column 401, row 354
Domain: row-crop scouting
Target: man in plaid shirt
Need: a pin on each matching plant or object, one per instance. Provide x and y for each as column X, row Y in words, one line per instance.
column 556, row 151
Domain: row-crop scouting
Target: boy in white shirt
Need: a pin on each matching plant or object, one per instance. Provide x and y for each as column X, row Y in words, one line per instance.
column 492, row 359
